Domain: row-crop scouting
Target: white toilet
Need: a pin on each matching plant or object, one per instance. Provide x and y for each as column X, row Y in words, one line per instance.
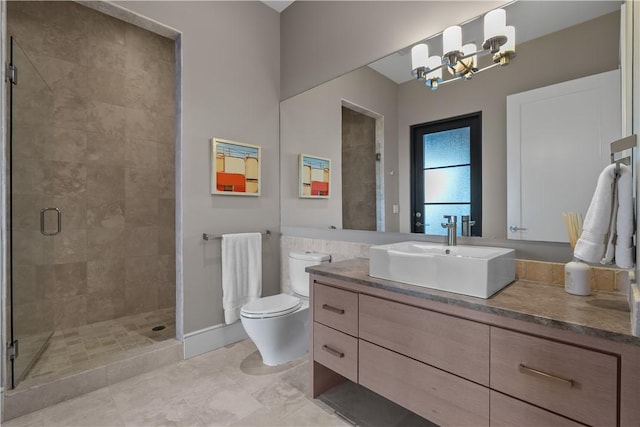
column 279, row 324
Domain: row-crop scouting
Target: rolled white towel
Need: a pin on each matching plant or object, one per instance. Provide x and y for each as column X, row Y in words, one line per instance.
column 592, row 244
column 623, row 244
column 608, row 228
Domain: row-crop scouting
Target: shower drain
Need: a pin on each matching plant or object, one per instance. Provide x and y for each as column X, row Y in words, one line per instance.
column 158, row 328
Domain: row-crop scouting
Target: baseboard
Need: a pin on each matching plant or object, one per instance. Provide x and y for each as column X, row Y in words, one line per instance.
column 212, row 338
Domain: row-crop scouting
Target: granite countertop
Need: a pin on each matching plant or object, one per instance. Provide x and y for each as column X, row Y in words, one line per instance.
column 601, row 314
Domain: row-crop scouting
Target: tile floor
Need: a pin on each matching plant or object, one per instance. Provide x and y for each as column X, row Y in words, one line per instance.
column 76, row 349
column 226, row 387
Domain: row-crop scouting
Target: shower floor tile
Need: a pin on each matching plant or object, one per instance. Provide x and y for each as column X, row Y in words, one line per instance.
column 84, row 347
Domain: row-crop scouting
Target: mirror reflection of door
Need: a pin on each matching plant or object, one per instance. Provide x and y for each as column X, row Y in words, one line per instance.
column 446, row 174
column 358, row 171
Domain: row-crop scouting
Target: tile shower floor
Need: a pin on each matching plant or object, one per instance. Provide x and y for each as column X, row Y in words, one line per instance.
column 84, row 347
column 226, row 387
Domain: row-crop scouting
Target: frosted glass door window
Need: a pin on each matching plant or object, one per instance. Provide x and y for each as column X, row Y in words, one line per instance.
column 447, row 185
column 447, row 148
column 434, row 217
column 446, row 174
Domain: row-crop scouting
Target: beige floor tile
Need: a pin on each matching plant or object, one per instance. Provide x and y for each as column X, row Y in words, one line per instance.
column 251, row 381
column 312, row 415
column 261, row 418
column 92, row 409
column 226, row 387
column 298, row 377
column 224, row 407
column 34, row 419
column 167, row 411
column 140, row 391
column 281, row 398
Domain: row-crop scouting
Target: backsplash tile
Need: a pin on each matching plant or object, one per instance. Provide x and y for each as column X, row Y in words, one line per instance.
column 550, row 273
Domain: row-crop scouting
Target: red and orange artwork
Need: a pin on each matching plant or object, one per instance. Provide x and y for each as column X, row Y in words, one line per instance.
column 235, row 168
column 315, row 176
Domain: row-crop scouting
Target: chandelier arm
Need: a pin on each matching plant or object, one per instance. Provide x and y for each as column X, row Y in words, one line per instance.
column 488, row 67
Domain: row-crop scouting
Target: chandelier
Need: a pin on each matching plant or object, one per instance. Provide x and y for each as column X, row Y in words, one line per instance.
column 462, row 60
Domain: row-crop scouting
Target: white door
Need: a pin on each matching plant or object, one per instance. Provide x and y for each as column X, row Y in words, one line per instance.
column 557, row 144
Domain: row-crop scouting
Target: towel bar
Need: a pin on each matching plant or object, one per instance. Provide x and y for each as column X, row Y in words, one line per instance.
column 207, row 237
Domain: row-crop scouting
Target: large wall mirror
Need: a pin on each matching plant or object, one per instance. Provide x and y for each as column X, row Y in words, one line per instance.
column 556, row 41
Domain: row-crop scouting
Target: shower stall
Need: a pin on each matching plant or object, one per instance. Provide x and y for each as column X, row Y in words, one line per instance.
column 90, row 184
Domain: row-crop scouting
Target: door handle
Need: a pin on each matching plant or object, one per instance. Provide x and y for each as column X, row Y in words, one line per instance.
column 514, row 228
column 59, row 228
column 541, row 374
column 333, row 352
column 332, row 309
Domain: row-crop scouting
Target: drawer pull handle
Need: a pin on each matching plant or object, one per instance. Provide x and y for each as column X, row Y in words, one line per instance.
column 527, row 370
column 332, row 352
column 332, row 309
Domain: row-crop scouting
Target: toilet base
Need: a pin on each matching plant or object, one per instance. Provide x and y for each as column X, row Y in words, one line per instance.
column 280, row 339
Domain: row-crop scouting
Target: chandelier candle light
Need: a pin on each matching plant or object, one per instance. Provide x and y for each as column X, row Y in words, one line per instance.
column 461, row 60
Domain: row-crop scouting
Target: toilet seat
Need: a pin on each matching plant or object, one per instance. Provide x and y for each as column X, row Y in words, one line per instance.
column 272, row 306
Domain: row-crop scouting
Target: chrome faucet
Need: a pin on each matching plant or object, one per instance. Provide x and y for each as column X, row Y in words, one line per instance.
column 466, row 225
column 451, row 225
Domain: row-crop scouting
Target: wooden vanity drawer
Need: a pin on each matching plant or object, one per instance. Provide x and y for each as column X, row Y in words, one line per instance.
column 336, row 351
column 576, row 382
column 336, row 308
column 436, row 395
column 455, row 345
column 509, row 412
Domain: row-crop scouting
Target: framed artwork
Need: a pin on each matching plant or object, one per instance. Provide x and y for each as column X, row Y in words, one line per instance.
column 315, row 177
column 235, row 168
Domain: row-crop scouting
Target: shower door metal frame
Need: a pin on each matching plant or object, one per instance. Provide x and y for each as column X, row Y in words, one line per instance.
column 12, row 343
column 12, row 347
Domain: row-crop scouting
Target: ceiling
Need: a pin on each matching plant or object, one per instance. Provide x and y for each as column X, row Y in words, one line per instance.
column 531, row 18
column 278, row 5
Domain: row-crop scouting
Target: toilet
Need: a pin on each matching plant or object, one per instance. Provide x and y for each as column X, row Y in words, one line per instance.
column 279, row 324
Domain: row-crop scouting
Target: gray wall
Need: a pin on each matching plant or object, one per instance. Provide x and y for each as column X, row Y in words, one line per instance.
column 537, row 64
column 230, row 89
column 311, row 123
column 321, row 40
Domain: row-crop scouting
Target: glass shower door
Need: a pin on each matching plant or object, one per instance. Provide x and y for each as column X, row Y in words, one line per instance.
column 33, row 216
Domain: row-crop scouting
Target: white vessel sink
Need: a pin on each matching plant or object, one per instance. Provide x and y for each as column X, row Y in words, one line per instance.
column 476, row 271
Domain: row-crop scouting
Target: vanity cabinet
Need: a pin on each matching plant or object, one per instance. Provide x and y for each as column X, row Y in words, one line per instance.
column 456, row 367
column 509, row 412
column 335, row 330
column 336, row 351
column 432, row 393
column 455, row 345
column 336, row 308
column 579, row 383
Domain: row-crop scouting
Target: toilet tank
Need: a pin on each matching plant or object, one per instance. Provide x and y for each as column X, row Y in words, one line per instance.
column 298, row 261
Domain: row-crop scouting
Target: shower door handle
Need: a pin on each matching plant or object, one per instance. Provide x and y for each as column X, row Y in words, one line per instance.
column 58, row 230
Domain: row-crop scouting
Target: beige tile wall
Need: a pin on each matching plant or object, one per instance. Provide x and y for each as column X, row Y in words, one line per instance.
column 359, row 196
column 550, row 273
column 107, row 163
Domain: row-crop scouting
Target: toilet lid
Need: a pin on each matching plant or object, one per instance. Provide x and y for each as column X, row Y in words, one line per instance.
column 273, row 306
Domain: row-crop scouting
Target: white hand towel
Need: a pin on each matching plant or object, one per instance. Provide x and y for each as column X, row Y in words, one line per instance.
column 620, row 246
column 610, row 213
column 241, row 272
